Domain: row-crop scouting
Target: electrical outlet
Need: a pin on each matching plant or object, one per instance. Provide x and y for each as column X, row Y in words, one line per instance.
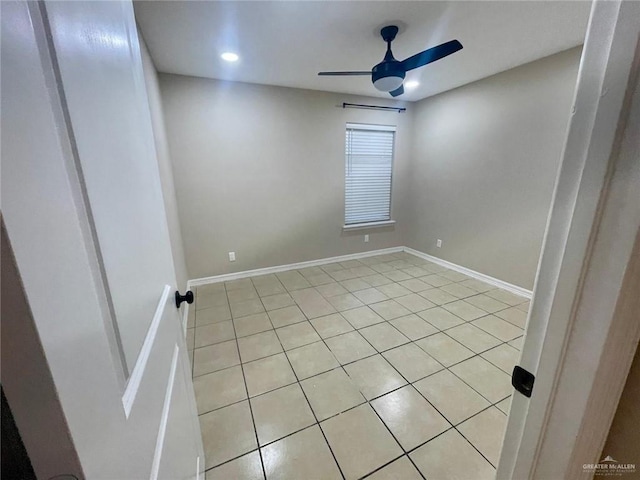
column 438, row 243
column 232, row 256
column 366, row 238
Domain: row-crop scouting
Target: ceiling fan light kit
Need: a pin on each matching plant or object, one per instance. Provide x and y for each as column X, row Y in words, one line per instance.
column 388, row 75
column 387, row 84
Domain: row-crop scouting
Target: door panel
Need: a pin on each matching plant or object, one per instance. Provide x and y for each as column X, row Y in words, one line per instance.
column 100, row 66
column 162, row 405
column 174, row 458
column 147, row 397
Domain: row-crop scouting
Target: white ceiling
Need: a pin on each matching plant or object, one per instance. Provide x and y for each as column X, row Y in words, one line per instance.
column 288, row 42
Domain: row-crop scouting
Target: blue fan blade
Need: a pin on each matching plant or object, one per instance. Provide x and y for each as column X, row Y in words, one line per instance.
column 397, row 91
column 431, row 55
column 343, row 74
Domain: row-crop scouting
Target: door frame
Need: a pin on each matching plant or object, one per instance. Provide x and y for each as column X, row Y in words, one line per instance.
column 577, row 344
column 570, row 276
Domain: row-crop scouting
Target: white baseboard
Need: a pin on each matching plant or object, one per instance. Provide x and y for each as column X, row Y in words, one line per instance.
column 354, row 256
column 523, row 292
column 292, row 266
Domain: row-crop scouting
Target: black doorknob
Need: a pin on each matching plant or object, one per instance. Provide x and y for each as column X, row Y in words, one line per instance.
column 187, row 297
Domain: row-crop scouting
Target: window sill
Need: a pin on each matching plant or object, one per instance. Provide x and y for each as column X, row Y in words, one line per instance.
column 362, row 226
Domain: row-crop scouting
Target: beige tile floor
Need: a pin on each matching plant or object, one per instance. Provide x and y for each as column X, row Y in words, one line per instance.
column 388, row 367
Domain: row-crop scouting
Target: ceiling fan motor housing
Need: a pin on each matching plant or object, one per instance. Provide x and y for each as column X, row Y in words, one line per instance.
column 388, row 75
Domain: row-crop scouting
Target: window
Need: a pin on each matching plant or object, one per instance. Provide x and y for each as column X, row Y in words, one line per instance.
column 368, row 167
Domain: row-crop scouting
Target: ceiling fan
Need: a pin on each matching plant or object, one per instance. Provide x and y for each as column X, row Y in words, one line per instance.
column 388, row 75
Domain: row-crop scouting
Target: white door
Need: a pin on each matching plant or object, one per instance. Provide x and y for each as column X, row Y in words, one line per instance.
column 82, row 202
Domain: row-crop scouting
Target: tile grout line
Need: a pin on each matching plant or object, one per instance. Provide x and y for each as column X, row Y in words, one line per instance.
column 367, row 326
column 434, row 407
column 476, row 294
column 305, row 393
column 389, row 463
column 244, row 379
column 445, row 368
column 439, row 412
column 368, row 356
column 368, row 401
column 347, row 410
column 331, row 370
column 340, row 366
column 487, row 314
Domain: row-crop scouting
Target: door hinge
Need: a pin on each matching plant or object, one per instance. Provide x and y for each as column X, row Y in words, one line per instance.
column 522, row 381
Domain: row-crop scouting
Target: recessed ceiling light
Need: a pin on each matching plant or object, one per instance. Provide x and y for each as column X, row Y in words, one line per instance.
column 411, row 84
column 229, row 57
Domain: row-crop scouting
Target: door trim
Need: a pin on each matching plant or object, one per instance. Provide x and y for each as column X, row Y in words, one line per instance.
column 563, row 346
column 606, row 316
column 133, row 385
column 162, row 430
column 614, row 366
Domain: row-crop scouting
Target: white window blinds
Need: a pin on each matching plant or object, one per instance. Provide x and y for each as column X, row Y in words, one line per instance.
column 369, row 163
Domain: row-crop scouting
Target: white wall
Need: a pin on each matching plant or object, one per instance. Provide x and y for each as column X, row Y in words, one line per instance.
column 484, row 164
column 164, row 165
column 259, row 171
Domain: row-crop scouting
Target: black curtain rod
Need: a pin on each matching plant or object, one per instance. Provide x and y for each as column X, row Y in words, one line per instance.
column 374, row 107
